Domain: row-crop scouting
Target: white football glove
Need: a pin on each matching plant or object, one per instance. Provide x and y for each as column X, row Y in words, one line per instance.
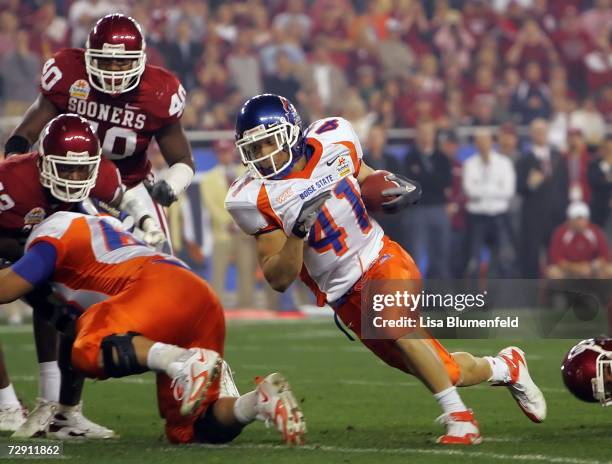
column 153, row 235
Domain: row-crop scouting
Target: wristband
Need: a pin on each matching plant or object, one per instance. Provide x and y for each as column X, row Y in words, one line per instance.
column 179, row 177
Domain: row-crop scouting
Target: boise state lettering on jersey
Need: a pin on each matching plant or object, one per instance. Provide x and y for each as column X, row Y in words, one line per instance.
column 344, row 240
column 125, row 123
column 316, row 186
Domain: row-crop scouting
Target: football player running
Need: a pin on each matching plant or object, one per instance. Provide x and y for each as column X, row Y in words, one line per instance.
column 127, row 101
column 131, row 315
column 67, row 169
column 301, row 200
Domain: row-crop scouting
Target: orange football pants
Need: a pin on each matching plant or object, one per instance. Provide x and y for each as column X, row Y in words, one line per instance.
column 164, row 303
column 393, row 264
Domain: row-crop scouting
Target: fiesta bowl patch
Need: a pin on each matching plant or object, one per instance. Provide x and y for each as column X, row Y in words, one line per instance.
column 80, row 89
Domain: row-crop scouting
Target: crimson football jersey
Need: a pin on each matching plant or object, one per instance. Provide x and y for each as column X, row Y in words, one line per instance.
column 124, row 123
column 24, row 202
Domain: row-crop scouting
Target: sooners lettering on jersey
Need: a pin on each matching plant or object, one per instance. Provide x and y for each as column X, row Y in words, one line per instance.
column 96, row 258
column 124, row 123
column 24, row 202
column 344, row 240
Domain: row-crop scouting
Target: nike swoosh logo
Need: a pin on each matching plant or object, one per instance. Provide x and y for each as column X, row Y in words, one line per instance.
column 329, row 163
column 202, row 375
column 131, row 107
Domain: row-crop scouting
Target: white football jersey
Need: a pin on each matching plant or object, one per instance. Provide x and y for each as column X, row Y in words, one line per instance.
column 344, row 240
column 96, row 258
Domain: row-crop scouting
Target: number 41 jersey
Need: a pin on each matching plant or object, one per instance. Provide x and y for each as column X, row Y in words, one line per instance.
column 344, row 241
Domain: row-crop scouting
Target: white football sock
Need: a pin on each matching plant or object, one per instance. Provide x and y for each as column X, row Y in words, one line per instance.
column 8, row 396
column 161, row 356
column 450, row 401
column 50, row 381
column 499, row 369
column 245, row 407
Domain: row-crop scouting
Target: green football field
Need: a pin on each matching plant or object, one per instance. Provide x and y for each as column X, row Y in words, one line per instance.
column 357, row 409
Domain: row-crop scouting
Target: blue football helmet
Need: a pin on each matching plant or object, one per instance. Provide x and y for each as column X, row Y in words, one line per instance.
column 269, row 119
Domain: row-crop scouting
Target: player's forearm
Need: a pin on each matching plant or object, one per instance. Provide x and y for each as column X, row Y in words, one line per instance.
column 12, row 286
column 281, row 269
column 35, row 119
column 364, row 172
column 175, row 146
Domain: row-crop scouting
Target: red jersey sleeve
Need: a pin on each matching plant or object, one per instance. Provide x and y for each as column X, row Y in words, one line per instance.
column 108, row 183
column 60, row 76
column 163, row 95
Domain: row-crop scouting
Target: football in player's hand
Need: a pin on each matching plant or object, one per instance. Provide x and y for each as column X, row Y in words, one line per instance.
column 373, row 187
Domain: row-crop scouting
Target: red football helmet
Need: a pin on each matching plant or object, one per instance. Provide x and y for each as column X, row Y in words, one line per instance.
column 117, row 37
column 587, row 370
column 69, row 157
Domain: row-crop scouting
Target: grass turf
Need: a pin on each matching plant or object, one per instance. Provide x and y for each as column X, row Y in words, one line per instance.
column 357, row 409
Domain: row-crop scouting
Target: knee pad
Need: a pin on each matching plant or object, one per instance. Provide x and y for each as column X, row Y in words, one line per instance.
column 119, row 355
column 207, row 429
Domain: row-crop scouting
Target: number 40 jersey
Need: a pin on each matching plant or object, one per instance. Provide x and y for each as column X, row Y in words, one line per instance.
column 125, row 123
column 344, row 241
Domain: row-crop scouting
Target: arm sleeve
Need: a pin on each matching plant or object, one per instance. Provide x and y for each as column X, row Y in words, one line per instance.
column 173, row 100
column 57, row 76
column 38, row 264
column 249, row 219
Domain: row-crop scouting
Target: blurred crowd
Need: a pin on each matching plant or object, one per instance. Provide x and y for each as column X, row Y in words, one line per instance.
column 395, row 62
column 526, row 194
column 502, row 205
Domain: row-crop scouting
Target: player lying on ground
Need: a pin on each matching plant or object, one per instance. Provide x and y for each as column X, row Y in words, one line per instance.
column 66, row 170
column 301, row 200
column 136, row 310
